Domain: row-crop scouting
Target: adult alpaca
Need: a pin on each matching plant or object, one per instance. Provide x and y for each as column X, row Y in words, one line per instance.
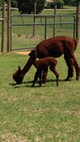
column 54, row 47
column 41, row 65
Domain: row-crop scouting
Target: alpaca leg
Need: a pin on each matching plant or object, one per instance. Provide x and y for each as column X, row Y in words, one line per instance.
column 35, row 77
column 77, row 72
column 77, row 68
column 40, row 78
column 69, row 63
column 53, row 69
column 45, row 72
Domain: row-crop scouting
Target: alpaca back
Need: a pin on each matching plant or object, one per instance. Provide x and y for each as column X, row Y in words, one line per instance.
column 45, row 62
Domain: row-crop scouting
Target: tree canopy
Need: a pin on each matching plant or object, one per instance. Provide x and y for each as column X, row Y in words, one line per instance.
column 27, row 6
column 71, row 2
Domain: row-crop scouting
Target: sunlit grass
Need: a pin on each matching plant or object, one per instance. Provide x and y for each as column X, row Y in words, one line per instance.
column 46, row 114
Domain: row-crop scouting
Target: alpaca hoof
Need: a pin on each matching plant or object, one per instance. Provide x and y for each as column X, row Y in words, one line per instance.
column 57, row 84
column 18, row 82
column 32, row 85
column 68, row 79
column 44, row 81
column 77, row 78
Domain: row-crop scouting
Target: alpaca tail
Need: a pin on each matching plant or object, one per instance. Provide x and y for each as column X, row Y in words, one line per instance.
column 76, row 43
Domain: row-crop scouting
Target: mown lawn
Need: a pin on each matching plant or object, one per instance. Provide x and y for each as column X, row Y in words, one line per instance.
column 38, row 114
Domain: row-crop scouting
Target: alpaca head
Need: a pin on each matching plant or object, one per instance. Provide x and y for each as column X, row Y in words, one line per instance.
column 18, row 76
column 33, row 54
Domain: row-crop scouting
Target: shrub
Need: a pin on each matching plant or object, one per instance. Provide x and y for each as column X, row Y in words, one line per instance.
column 27, row 6
column 13, row 3
column 71, row 2
column 59, row 3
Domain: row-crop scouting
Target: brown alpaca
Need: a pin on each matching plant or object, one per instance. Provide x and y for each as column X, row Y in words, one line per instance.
column 41, row 65
column 54, row 47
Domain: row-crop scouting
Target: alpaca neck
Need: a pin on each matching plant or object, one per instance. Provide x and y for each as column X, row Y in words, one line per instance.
column 35, row 63
column 27, row 66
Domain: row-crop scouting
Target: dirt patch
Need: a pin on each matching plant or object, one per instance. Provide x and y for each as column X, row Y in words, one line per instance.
column 23, row 52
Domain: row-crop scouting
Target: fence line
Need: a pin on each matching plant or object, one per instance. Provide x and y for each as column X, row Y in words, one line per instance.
column 78, row 22
column 45, row 22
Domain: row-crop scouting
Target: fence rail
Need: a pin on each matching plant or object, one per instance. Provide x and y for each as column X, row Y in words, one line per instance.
column 37, row 24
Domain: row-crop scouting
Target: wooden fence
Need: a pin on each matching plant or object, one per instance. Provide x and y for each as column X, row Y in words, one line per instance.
column 78, row 22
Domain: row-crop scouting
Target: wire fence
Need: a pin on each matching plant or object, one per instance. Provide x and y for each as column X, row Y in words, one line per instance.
column 52, row 25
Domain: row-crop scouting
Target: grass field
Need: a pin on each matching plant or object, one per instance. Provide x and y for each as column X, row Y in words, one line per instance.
column 40, row 114
column 37, row 114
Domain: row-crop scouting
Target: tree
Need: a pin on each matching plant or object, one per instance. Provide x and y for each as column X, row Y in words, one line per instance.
column 13, row 3
column 59, row 3
column 71, row 2
column 27, row 6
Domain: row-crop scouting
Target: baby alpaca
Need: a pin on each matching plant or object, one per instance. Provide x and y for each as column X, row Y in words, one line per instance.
column 42, row 65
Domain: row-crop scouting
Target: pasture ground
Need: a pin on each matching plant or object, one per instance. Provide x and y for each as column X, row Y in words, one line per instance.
column 38, row 114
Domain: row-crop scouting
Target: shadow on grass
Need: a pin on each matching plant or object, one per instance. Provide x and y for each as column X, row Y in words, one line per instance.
column 29, row 83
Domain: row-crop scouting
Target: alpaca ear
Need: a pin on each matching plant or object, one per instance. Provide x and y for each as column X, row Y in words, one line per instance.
column 19, row 68
column 29, row 54
column 33, row 52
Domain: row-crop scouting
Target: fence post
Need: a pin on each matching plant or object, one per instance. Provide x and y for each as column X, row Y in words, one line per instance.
column 78, row 22
column 34, row 18
column 8, row 25
column 54, row 26
column 3, row 25
column 45, row 27
column 74, row 26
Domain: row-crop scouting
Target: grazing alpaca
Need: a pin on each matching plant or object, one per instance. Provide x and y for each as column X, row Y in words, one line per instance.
column 54, row 47
column 41, row 65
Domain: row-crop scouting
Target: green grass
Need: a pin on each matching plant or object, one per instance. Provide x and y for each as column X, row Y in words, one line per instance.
column 39, row 114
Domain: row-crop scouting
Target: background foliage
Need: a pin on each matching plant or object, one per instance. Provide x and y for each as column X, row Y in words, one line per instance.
column 27, row 6
column 71, row 2
column 59, row 3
